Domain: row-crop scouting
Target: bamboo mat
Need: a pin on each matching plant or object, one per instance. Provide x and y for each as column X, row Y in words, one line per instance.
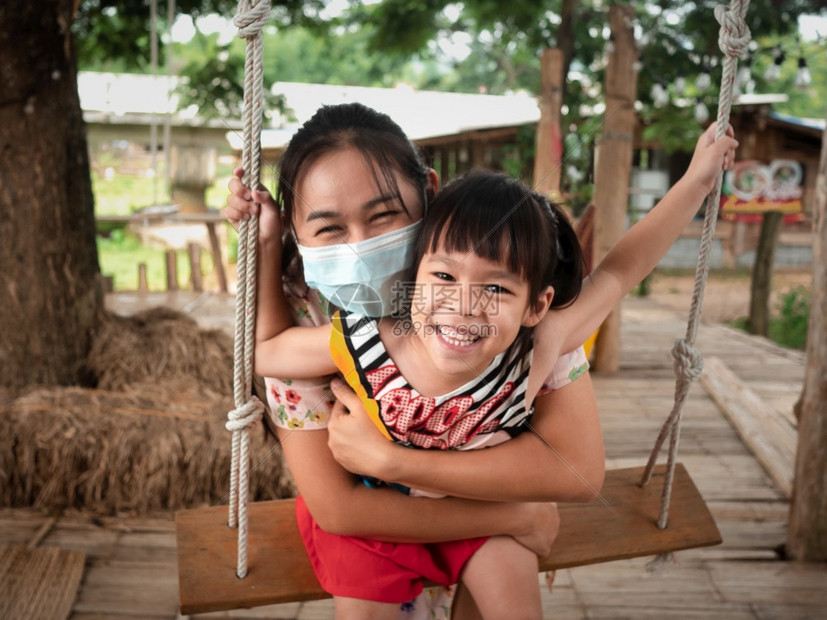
column 39, row 583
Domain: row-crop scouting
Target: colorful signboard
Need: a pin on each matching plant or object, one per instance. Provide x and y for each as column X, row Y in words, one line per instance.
column 752, row 188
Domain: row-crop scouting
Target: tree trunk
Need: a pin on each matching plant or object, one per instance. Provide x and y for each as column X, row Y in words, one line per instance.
column 614, row 165
column 761, row 284
column 807, row 533
column 548, row 153
column 51, row 294
column 565, row 38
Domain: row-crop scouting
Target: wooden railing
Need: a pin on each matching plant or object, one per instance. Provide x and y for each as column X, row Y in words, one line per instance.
column 209, row 219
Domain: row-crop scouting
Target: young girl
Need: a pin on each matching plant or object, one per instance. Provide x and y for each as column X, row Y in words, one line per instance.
column 463, row 370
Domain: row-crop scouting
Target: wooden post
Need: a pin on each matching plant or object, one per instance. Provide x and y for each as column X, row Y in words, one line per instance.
column 194, row 251
column 445, row 164
column 192, row 171
column 761, row 284
column 614, row 165
column 143, row 286
column 549, row 142
column 172, row 270
column 218, row 261
column 807, row 532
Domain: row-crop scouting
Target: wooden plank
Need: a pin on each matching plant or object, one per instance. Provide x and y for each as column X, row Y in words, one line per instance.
column 39, row 583
column 279, row 571
column 592, row 533
column 767, row 434
column 118, row 589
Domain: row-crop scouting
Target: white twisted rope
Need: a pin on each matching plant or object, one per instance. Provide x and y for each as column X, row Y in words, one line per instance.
column 251, row 18
column 733, row 38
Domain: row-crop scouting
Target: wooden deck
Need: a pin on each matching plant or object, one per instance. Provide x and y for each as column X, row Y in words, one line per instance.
column 131, row 563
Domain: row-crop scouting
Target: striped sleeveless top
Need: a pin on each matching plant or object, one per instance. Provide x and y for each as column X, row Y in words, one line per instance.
column 465, row 418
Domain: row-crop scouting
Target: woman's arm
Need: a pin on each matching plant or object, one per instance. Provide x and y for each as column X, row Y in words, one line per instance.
column 563, row 461
column 272, row 310
column 342, row 504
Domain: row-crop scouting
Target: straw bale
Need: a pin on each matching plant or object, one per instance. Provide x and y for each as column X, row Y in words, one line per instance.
column 159, row 344
column 151, row 447
column 149, row 438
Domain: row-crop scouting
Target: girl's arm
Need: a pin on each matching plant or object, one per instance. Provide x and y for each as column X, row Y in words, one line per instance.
column 341, row 504
column 638, row 251
column 562, row 461
column 296, row 352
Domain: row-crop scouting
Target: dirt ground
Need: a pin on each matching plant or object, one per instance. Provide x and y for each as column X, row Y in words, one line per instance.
column 727, row 293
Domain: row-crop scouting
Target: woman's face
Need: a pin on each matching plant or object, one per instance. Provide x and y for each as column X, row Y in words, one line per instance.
column 337, row 200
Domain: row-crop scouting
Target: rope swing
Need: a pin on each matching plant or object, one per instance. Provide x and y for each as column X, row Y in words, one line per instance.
column 733, row 39
column 251, row 18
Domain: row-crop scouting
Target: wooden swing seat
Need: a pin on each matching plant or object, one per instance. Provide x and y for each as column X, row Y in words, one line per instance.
column 279, row 571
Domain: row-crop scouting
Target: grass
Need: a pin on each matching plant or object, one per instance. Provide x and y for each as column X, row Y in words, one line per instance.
column 122, row 252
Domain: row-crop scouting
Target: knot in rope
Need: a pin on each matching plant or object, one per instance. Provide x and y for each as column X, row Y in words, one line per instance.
column 734, row 35
column 688, row 360
column 245, row 416
column 252, row 16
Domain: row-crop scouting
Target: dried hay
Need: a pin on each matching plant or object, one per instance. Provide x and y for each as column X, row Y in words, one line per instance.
column 151, row 438
column 160, row 343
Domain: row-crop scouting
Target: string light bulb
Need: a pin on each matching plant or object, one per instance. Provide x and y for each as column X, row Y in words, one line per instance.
column 660, row 96
column 701, row 111
column 802, row 77
column 773, row 72
column 744, row 72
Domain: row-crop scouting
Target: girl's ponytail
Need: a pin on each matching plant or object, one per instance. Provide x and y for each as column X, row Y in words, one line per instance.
column 569, row 268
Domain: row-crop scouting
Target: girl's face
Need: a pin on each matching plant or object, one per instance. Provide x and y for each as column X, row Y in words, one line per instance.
column 465, row 310
column 338, row 201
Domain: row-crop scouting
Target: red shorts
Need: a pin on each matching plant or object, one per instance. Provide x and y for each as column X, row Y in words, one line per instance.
column 380, row 571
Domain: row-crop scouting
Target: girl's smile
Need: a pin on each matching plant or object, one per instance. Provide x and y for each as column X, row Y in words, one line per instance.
column 460, row 338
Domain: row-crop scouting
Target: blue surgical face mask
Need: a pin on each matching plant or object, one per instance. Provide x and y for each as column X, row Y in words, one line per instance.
column 362, row 277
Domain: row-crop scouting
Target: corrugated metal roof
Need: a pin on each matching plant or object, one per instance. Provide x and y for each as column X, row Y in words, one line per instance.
column 819, row 124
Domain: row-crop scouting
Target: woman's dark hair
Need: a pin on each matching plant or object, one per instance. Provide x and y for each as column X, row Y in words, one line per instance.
column 376, row 136
column 498, row 218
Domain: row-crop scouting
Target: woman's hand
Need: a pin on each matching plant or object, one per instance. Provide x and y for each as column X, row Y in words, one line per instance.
column 543, row 525
column 242, row 203
column 356, row 443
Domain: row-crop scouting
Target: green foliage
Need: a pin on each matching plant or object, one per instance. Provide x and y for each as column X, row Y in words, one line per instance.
column 644, row 289
column 113, row 35
column 215, row 80
column 674, row 129
column 298, row 54
column 789, row 328
column 577, row 179
column 400, row 26
column 518, row 158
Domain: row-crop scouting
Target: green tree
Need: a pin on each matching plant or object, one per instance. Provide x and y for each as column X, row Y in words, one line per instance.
column 677, row 40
